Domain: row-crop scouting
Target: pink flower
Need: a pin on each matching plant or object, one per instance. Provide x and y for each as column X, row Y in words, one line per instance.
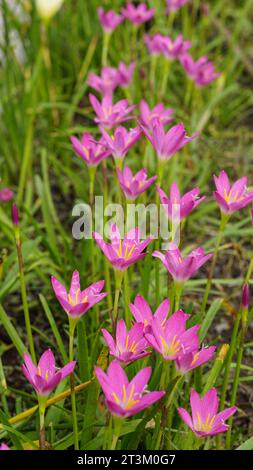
column 77, row 302
column 174, row 5
column 111, row 78
column 233, row 197
column 143, row 313
column 174, row 49
column 6, row 195
column 4, row 446
column 124, row 398
column 108, row 114
column 147, row 115
column 175, row 205
column 194, row 359
column 46, row 376
column 109, row 20
column 129, row 345
column 201, row 72
column 181, row 269
column 173, row 339
column 167, row 144
column 123, row 253
column 125, row 74
column 137, row 14
column 106, row 83
column 90, row 151
column 205, row 420
column 154, row 43
column 121, row 141
column 131, row 185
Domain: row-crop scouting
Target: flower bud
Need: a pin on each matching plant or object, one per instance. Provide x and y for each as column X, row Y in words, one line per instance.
column 48, row 8
column 14, row 214
column 245, row 296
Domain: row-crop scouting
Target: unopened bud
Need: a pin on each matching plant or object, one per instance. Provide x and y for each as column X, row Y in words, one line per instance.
column 14, row 214
column 245, row 296
column 48, row 8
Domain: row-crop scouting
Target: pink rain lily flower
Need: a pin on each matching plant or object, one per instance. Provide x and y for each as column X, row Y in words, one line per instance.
column 109, row 20
column 174, row 49
column 154, row 43
column 4, row 446
column 143, row 314
column 201, row 72
column 108, row 114
column 173, row 339
column 174, row 5
column 205, row 419
column 181, row 269
column 137, row 14
column 167, row 144
column 89, row 150
column 6, row 195
column 147, row 115
column 106, row 83
column 46, row 376
column 177, row 206
column 125, row 74
column 194, row 359
column 128, row 345
column 77, row 302
column 121, row 141
column 231, row 197
column 124, row 398
column 122, row 253
column 133, row 185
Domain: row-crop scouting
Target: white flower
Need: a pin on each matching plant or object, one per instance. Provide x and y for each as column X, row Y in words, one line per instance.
column 48, row 8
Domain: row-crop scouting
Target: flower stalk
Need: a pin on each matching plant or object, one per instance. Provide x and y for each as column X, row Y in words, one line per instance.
column 223, row 223
column 72, row 327
column 17, row 236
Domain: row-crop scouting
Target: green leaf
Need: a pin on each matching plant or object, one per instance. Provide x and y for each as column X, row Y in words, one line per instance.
column 247, row 445
column 12, row 332
column 209, row 318
column 55, row 329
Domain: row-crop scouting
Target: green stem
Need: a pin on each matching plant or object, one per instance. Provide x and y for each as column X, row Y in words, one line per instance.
column 42, row 435
column 72, row 326
column 224, row 220
column 116, row 432
column 178, row 292
column 170, row 412
column 128, row 316
column 118, row 283
column 23, row 294
column 106, row 40
column 249, row 272
column 227, row 367
column 106, row 264
column 160, row 171
column 235, row 386
column 166, row 71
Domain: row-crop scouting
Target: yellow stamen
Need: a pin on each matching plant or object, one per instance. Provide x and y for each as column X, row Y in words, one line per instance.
column 127, row 342
column 172, row 348
column 85, row 299
column 195, row 358
column 77, row 293
column 39, row 371
column 116, row 398
column 133, row 346
column 130, row 252
column 119, row 250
